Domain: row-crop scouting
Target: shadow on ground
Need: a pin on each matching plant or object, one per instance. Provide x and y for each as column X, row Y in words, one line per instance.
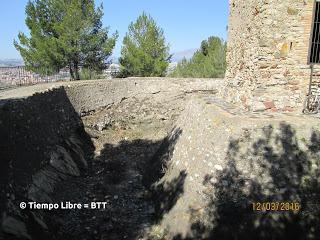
column 124, row 175
column 42, row 142
column 289, row 173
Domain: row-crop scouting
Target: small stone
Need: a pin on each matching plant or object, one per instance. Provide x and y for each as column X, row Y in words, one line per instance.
column 258, row 107
column 115, row 197
column 269, row 104
column 284, row 50
column 292, row 11
column 282, row 190
column 218, row 167
column 288, row 109
column 213, row 180
column 224, row 183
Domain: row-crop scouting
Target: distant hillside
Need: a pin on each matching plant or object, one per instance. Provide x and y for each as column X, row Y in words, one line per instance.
column 11, row 62
column 178, row 56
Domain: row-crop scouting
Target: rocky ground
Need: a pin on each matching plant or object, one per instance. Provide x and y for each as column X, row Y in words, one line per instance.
column 216, row 165
column 173, row 162
column 227, row 159
column 125, row 135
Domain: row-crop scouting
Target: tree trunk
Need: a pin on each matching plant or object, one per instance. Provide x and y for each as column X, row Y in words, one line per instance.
column 71, row 71
column 76, row 71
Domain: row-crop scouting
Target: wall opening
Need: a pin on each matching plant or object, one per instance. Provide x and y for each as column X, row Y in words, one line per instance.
column 314, row 57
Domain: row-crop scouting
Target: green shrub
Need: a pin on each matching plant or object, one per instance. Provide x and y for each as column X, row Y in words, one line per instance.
column 207, row 62
column 87, row 74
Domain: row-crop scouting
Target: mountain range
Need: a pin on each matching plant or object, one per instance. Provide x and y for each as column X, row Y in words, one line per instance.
column 11, row 62
column 178, row 56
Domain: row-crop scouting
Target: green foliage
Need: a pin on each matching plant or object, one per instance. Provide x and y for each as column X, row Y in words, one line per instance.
column 65, row 33
column 207, row 62
column 87, row 74
column 144, row 52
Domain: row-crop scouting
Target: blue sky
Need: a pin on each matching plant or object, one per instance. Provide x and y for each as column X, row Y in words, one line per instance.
column 185, row 22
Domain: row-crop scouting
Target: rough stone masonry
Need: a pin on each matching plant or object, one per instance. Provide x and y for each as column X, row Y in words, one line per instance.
column 268, row 49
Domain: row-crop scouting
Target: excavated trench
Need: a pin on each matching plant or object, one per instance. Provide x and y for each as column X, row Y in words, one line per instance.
column 129, row 138
column 166, row 158
column 105, row 142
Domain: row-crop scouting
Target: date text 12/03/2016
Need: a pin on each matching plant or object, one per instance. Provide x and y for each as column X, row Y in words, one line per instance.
column 276, row 206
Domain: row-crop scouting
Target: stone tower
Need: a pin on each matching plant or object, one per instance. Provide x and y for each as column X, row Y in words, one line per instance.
column 268, row 52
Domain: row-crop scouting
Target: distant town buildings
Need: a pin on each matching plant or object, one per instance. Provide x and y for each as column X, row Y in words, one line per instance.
column 20, row 76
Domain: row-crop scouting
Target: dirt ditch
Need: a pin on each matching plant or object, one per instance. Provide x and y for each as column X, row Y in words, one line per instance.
column 127, row 138
column 87, row 141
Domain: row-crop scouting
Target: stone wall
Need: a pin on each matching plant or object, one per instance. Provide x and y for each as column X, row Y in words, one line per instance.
column 88, row 96
column 267, row 57
column 42, row 143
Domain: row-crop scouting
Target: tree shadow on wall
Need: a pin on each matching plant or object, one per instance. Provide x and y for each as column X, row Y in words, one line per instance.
column 164, row 194
column 152, row 160
column 32, row 129
column 285, row 172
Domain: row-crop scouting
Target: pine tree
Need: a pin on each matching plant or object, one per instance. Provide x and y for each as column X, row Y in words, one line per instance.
column 144, row 52
column 65, row 33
